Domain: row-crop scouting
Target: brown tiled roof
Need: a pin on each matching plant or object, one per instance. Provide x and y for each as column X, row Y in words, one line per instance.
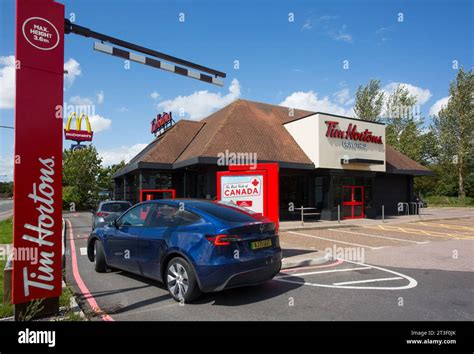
column 245, row 126
column 172, row 144
column 165, row 149
column 399, row 163
column 242, row 126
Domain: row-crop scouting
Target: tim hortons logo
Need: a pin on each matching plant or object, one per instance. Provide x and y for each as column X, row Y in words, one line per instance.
column 160, row 121
column 351, row 133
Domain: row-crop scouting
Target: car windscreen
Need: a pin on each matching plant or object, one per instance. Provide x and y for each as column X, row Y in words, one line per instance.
column 223, row 212
column 115, row 207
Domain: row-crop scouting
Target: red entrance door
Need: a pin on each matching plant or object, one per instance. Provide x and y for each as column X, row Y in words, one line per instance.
column 352, row 202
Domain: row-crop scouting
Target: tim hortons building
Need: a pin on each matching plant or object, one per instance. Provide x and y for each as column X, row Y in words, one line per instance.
column 325, row 160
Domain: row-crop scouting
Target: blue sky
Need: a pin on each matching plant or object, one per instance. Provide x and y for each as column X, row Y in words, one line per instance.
column 297, row 63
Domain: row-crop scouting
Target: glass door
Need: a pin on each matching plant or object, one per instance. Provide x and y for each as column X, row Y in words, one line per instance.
column 352, row 202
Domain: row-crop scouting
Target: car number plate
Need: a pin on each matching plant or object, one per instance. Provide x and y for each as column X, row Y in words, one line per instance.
column 261, row 244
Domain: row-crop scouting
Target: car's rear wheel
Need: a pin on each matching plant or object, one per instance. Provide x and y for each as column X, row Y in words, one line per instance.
column 181, row 280
column 99, row 258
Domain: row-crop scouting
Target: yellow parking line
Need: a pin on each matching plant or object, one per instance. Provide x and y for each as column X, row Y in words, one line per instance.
column 447, row 226
column 421, row 232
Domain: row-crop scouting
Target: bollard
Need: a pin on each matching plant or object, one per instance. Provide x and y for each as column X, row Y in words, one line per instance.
column 339, row 213
column 383, row 213
column 302, row 216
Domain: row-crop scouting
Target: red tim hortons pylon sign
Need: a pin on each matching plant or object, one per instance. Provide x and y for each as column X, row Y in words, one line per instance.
column 38, row 150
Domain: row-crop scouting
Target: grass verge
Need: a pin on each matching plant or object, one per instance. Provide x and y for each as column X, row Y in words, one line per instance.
column 441, row 201
column 6, row 231
column 6, row 310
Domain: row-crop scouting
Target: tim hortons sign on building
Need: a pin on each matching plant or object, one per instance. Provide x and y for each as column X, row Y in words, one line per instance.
column 327, row 140
column 351, row 133
column 161, row 123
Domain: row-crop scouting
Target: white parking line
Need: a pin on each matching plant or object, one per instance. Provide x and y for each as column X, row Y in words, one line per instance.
column 323, row 271
column 411, row 282
column 385, row 237
column 366, row 281
column 83, row 251
column 335, row 241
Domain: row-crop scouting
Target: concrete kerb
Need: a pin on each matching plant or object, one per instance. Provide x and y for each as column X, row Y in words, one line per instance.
column 309, row 259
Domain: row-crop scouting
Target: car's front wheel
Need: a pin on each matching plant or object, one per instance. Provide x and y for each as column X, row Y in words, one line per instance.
column 181, row 280
column 99, row 258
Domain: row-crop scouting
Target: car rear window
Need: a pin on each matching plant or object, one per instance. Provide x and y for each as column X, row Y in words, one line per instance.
column 115, row 207
column 225, row 212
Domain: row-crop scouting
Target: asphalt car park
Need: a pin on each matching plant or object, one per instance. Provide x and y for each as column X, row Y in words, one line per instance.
column 374, row 237
column 340, row 289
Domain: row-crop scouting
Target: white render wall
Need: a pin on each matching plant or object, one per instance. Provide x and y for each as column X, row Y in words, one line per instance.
column 327, row 152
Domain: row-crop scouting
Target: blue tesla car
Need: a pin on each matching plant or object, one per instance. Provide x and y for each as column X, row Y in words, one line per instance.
column 192, row 246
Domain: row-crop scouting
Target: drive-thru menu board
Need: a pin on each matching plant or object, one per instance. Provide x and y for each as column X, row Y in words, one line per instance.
column 252, row 187
column 243, row 190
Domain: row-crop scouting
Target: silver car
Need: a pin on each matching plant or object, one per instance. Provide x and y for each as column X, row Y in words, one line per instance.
column 109, row 211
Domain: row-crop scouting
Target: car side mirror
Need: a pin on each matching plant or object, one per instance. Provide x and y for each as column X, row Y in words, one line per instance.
column 115, row 224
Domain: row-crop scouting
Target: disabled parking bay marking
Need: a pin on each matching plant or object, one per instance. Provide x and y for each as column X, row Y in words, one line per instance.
column 350, row 285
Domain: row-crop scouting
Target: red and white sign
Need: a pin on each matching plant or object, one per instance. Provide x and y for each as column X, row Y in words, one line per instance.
column 40, row 33
column 161, row 122
column 351, row 133
column 252, row 187
column 243, row 189
column 37, row 227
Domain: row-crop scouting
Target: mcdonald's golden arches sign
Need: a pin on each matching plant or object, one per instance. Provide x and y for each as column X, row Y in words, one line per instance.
column 78, row 134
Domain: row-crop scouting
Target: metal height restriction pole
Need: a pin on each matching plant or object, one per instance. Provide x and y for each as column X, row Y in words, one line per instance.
column 70, row 27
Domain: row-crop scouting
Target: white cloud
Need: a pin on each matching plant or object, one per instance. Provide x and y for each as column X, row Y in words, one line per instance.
column 327, row 26
column 154, row 95
column 73, row 69
column 341, row 34
column 80, row 101
column 100, row 97
column 99, row 123
column 309, row 101
column 7, row 82
column 7, row 79
column 422, row 95
column 123, row 109
column 201, row 103
column 115, row 155
column 343, row 96
column 307, row 25
column 438, row 105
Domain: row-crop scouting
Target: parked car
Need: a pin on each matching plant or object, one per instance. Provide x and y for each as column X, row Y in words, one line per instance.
column 192, row 246
column 109, row 211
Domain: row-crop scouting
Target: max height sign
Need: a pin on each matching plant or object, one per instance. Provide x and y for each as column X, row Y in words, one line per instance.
column 38, row 150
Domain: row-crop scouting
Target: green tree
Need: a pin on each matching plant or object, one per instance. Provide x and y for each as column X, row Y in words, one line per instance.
column 454, row 126
column 403, row 130
column 80, row 178
column 105, row 179
column 369, row 101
